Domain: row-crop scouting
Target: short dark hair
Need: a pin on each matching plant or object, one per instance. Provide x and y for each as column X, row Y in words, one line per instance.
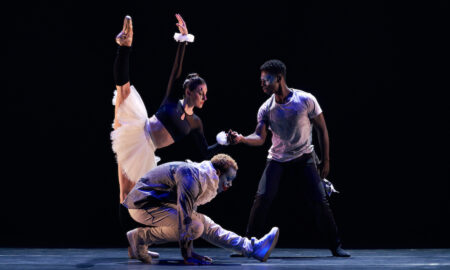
column 223, row 162
column 192, row 81
column 275, row 67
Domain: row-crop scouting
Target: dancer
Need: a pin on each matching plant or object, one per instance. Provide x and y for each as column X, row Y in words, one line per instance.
column 290, row 114
column 136, row 137
column 166, row 199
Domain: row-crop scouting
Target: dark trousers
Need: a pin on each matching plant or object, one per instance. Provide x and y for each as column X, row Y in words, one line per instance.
column 303, row 170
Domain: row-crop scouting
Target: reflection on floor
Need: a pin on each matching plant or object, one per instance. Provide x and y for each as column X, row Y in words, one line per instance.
column 22, row 258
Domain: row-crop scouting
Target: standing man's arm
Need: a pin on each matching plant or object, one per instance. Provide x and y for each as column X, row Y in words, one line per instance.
column 257, row 138
column 324, row 143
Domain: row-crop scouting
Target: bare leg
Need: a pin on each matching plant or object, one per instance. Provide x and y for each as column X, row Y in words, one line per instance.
column 125, row 184
column 124, row 38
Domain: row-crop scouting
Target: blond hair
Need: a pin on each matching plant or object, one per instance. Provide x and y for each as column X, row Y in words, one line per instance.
column 223, row 162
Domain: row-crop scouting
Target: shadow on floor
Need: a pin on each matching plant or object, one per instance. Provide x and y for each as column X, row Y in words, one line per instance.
column 180, row 262
column 304, row 257
column 93, row 262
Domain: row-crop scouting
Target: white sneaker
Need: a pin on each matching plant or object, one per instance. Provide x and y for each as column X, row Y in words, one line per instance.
column 264, row 246
column 138, row 245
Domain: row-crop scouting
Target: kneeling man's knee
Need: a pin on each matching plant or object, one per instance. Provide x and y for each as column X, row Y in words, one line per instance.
column 196, row 229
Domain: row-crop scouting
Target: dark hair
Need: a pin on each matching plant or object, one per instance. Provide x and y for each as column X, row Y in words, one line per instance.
column 275, row 67
column 223, row 162
column 192, row 81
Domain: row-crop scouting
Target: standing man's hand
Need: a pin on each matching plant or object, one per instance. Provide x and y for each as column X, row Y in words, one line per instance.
column 324, row 143
column 234, row 137
column 324, row 168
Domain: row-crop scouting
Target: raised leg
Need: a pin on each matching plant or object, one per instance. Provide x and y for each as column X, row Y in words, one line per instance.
column 121, row 77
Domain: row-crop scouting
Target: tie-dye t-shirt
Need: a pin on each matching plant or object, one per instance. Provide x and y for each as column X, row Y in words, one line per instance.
column 290, row 124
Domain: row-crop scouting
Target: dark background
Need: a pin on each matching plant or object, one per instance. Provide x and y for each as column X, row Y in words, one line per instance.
column 378, row 70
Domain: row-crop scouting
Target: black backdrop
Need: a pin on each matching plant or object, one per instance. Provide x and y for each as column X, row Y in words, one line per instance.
column 378, row 71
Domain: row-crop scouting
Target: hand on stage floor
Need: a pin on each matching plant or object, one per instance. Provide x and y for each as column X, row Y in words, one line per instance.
column 198, row 259
column 125, row 37
column 181, row 25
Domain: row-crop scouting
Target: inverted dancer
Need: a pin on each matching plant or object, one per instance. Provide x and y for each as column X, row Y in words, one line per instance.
column 136, row 137
column 290, row 114
column 166, row 198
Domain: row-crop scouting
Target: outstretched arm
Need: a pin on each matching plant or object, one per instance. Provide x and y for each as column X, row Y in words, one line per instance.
column 206, row 151
column 257, row 138
column 324, row 143
column 178, row 63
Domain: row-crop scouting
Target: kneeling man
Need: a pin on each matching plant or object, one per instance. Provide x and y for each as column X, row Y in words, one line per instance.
column 165, row 200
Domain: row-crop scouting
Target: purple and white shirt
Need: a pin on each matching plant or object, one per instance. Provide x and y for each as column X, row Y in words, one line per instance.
column 290, row 124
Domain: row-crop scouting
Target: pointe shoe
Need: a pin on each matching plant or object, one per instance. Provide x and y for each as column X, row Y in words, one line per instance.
column 125, row 37
column 264, row 246
column 138, row 245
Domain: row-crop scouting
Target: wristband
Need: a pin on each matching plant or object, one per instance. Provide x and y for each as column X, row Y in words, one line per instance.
column 183, row 38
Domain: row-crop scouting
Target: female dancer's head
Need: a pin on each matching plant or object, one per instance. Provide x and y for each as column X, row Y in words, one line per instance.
column 195, row 90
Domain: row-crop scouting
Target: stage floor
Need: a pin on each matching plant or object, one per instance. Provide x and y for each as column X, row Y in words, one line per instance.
column 50, row 259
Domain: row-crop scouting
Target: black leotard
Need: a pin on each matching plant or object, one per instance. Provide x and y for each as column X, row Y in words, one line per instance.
column 171, row 109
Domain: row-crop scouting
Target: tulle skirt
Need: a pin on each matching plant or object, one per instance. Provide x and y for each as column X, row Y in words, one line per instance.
column 131, row 142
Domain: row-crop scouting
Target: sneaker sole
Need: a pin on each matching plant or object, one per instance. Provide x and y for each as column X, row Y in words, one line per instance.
column 272, row 246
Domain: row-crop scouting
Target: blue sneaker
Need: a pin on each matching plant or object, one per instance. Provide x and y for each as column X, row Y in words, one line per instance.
column 264, row 246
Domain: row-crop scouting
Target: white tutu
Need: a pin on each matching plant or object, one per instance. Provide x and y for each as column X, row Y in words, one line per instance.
column 131, row 142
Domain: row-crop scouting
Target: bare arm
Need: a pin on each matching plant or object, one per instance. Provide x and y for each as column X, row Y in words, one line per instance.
column 257, row 138
column 324, row 143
